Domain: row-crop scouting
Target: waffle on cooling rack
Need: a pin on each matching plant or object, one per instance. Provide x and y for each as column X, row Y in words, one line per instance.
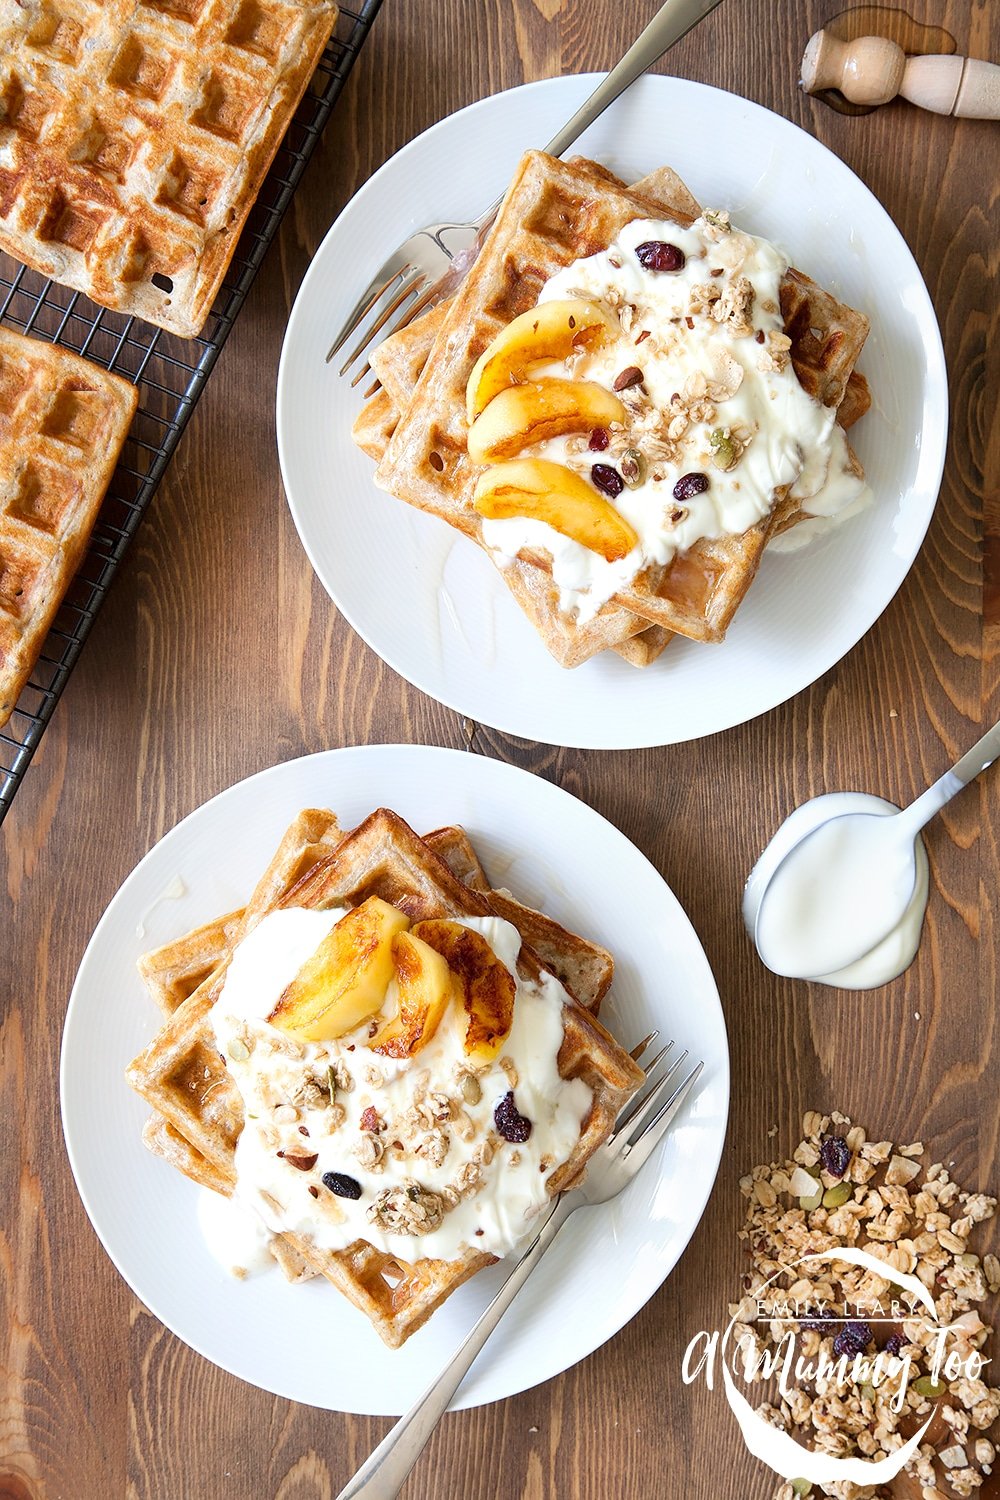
column 62, row 425
column 135, row 135
column 199, row 1116
column 416, row 427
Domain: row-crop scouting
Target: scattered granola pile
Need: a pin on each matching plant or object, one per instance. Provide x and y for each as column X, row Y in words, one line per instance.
column 842, row 1189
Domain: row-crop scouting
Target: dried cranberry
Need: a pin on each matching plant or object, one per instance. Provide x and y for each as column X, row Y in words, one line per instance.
column 659, row 255
column 607, row 480
column 628, row 378
column 690, row 485
column 342, row 1185
column 816, row 1320
column 834, row 1155
column 852, row 1339
column 511, row 1125
column 894, row 1344
column 370, row 1119
column 599, row 440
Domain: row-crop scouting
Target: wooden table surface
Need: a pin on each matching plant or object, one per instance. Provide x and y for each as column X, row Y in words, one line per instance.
column 218, row 654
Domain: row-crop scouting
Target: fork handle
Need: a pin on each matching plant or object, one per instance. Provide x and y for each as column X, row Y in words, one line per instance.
column 383, row 1476
column 672, row 21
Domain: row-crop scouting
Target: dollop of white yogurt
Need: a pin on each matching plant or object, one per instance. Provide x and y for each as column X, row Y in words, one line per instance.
column 285, row 1120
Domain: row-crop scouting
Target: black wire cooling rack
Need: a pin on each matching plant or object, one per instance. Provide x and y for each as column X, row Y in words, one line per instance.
column 170, row 373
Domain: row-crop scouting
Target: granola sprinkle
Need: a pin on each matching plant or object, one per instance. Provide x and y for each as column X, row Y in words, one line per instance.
column 407, row 1209
column 912, row 1216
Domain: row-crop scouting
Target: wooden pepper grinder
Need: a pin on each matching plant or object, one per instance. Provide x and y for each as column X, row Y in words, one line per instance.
column 873, row 70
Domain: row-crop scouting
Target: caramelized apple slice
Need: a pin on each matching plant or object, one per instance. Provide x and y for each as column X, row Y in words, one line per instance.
column 552, row 330
column 426, row 988
column 544, row 491
column 487, row 985
column 540, row 409
column 345, row 980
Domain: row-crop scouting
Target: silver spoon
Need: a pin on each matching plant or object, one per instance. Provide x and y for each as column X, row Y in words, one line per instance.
column 875, row 853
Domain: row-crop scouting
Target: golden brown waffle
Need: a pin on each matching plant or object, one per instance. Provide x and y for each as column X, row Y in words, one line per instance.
column 179, row 1072
column 135, row 135
column 173, row 972
column 63, row 421
column 554, row 213
column 375, row 424
column 398, row 362
column 404, row 356
column 857, row 400
column 523, row 269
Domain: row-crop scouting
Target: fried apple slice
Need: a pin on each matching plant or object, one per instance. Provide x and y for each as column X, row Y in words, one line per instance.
column 539, row 409
column 345, row 980
column 487, row 985
column 552, row 330
column 544, row 491
column 426, row 988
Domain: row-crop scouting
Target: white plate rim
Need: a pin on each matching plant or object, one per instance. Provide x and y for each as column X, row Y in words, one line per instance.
column 164, row 846
column 611, row 732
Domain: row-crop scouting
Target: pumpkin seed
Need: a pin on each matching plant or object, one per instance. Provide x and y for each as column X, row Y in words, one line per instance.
column 725, row 454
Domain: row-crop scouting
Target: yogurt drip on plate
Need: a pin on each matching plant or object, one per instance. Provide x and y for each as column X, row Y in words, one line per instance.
column 702, row 373
column 823, row 886
column 436, row 1147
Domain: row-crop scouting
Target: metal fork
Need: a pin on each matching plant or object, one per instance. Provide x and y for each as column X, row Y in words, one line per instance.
column 431, row 262
column 640, row 1127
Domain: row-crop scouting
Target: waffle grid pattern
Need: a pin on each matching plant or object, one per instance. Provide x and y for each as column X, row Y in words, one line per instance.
column 170, row 373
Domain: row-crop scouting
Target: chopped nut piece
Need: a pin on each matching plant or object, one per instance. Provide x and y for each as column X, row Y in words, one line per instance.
column 775, row 353
column 369, row 1150
column 628, row 378
column 510, row 1069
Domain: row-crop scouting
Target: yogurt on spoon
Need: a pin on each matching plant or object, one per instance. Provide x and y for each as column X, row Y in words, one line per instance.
column 799, row 896
column 840, row 892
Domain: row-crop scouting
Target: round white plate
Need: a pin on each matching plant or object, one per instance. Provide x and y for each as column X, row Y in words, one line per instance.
column 307, row 1342
column 431, row 604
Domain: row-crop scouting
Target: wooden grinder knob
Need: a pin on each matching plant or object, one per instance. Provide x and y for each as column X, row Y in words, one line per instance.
column 873, row 70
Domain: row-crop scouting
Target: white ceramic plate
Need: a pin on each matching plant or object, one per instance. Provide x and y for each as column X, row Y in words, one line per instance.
column 432, row 605
column 308, row 1342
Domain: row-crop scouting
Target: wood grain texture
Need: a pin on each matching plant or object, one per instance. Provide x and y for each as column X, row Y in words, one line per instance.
column 217, row 653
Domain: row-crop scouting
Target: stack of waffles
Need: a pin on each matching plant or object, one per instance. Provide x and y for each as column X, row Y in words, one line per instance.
column 135, row 135
column 62, row 425
column 416, row 427
column 198, row 1112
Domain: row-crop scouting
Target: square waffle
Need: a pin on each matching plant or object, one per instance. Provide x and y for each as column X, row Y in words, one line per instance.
column 555, row 213
column 172, row 973
column 181, row 1075
column 135, row 135
column 63, row 421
